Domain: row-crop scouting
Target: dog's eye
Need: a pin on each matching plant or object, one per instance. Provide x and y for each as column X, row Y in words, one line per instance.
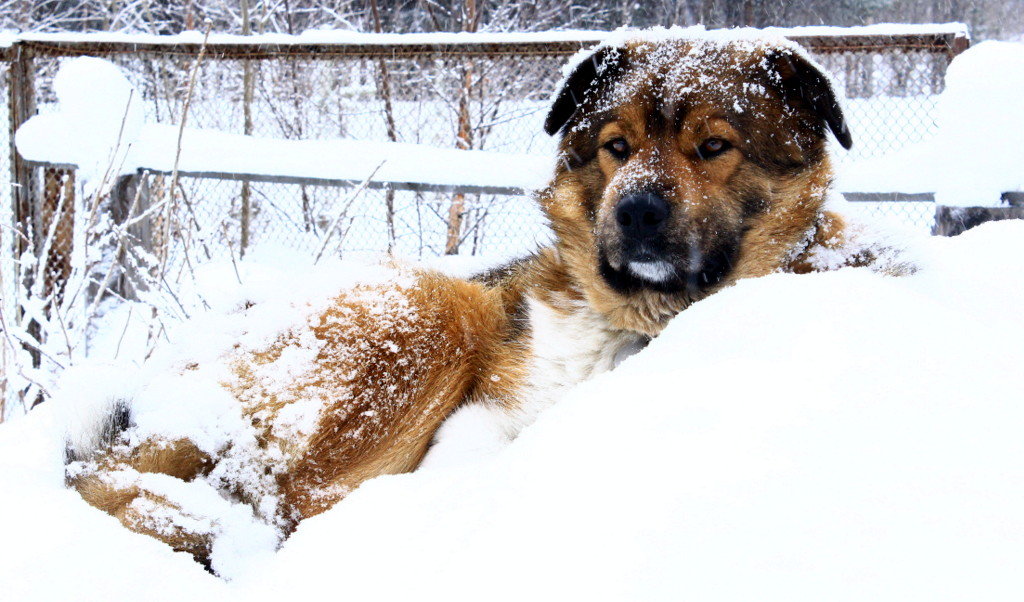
column 618, row 147
column 712, row 147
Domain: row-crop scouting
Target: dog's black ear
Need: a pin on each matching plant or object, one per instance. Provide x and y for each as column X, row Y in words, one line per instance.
column 803, row 82
column 591, row 71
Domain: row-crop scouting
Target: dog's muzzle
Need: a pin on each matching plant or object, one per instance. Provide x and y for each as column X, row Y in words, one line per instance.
column 648, row 260
column 642, row 217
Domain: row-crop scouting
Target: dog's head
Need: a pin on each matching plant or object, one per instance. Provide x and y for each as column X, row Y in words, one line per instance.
column 685, row 164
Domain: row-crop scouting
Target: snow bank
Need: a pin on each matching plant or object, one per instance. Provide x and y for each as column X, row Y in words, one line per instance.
column 86, row 130
column 978, row 152
column 839, row 436
column 981, row 125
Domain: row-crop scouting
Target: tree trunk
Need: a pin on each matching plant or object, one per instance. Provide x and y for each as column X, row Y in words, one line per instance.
column 384, row 93
column 464, row 135
column 247, row 91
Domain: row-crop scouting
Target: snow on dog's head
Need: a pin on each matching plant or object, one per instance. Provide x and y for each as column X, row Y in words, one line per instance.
column 688, row 161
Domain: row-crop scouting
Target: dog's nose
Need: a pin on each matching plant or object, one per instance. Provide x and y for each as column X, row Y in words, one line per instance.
column 640, row 215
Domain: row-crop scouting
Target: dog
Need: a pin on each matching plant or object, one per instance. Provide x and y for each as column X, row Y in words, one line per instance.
column 685, row 164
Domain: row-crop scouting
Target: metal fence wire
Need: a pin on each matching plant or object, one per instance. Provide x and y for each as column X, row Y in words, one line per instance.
column 489, row 95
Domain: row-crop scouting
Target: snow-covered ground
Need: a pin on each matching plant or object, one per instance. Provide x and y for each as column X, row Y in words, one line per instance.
column 836, row 436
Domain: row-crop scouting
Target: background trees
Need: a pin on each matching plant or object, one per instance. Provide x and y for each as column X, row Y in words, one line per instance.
column 987, row 18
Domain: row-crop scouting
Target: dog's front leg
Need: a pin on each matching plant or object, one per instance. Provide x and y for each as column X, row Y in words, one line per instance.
column 474, row 431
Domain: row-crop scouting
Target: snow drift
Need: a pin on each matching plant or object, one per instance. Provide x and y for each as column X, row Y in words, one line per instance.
column 976, row 155
column 833, row 436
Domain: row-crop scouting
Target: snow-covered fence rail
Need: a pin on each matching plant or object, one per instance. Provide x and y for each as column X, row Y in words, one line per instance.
column 481, row 92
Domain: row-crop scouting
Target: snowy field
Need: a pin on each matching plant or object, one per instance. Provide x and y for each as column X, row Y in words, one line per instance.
column 835, row 436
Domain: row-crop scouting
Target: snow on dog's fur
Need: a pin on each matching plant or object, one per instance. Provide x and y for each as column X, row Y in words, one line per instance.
column 685, row 164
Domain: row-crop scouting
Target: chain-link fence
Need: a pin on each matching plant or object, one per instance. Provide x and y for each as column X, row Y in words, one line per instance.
column 891, row 88
column 484, row 92
column 489, row 95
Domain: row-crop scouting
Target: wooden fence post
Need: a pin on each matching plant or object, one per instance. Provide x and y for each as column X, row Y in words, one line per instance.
column 950, row 221
column 21, row 101
column 130, row 197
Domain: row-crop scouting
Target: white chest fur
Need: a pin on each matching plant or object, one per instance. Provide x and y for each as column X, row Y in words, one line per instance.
column 568, row 345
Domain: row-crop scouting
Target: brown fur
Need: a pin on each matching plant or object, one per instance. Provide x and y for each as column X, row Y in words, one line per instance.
column 391, row 379
column 429, row 365
column 392, row 370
